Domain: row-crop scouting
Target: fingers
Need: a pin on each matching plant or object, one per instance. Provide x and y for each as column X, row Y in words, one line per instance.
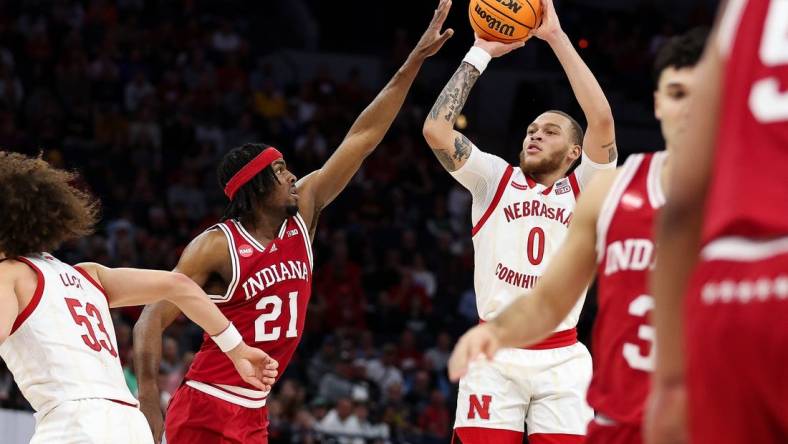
column 441, row 12
column 446, row 35
column 271, row 364
column 254, row 381
column 269, row 373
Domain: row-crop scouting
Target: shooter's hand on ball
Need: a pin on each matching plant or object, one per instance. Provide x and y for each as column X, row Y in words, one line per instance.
column 549, row 26
column 497, row 49
column 433, row 39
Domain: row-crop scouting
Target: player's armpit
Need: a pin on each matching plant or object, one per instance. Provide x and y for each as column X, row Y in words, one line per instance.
column 9, row 306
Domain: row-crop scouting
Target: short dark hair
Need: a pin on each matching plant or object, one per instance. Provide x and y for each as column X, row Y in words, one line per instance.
column 577, row 130
column 254, row 191
column 40, row 207
column 680, row 51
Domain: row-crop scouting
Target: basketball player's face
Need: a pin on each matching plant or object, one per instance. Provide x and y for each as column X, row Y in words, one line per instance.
column 670, row 101
column 284, row 195
column 547, row 145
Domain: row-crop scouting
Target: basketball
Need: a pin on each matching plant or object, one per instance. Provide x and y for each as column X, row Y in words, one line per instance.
column 504, row 21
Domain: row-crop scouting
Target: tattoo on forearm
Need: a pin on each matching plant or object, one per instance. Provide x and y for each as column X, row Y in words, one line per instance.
column 455, row 93
column 462, row 150
column 612, row 151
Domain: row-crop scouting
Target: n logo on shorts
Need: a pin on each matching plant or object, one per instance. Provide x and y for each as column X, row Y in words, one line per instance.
column 481, row 408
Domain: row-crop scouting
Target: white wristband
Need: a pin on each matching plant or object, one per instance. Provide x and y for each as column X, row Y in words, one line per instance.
column 478, row 58
column 228, row 339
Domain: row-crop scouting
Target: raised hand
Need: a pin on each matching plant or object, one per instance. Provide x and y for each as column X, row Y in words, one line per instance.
column 478, row 341
column 433, row 39
column 549, row 25
column 254, row 366
column 497, row 49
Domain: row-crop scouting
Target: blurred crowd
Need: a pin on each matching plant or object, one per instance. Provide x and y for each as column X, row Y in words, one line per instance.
column 144, row 97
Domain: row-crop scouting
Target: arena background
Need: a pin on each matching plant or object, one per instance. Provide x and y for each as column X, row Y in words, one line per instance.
column 143, row 98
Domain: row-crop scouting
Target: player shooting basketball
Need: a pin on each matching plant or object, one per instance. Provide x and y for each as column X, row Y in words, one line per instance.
column 520, row 217
column 612, row 234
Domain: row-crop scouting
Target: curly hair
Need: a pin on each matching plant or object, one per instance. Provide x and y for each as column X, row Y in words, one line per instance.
column 40, row 208
column 254, row 191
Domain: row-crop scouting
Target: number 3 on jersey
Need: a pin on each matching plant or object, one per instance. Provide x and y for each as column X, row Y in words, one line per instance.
column 640, row 307
column 260, row 333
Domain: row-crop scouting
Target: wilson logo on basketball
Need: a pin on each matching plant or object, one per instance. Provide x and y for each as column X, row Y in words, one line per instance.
column 493, row 23
column 245, row 250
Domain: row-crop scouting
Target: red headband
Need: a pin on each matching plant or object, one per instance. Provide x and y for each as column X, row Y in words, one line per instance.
column 251, row 169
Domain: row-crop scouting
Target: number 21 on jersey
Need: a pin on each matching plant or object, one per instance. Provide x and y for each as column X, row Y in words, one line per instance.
column 274, row 303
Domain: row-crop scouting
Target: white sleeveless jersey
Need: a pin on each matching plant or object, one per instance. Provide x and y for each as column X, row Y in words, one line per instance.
column 518, row 225
column 62, row 346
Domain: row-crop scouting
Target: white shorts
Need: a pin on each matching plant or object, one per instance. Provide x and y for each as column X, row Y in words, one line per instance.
column 92, row 421
column 545, row 389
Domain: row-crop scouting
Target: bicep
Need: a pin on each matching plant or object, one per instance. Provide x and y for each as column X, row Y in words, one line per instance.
column 130, row 286
column 599, row 142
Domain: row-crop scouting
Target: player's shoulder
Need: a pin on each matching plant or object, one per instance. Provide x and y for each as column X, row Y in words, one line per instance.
column 210, row 246
column 17, row 272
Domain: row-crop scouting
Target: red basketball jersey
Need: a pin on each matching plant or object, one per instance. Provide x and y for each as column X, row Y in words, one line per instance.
column 749, row 189
column 623, row 338
column 266, row 301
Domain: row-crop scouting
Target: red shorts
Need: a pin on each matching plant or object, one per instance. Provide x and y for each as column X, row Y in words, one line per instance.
column 736, row 340
column 613, row 434
column 195, row 417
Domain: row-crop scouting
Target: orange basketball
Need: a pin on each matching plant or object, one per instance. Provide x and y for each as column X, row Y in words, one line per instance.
column 504, row 20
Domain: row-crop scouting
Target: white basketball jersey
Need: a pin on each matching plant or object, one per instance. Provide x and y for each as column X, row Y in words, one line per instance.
column 62, row 346
column 518, row 230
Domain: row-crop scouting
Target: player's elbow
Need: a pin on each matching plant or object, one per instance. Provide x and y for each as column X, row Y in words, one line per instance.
column 435, row 134
column 180, row 288
column 602, row 119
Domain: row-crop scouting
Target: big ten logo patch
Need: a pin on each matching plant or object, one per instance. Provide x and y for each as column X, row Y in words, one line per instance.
column 562, row 187
column 245, row 250
column 479, row 407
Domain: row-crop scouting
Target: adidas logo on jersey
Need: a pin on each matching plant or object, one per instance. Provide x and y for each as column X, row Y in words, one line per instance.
column 245, row 250
column 273, row 248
